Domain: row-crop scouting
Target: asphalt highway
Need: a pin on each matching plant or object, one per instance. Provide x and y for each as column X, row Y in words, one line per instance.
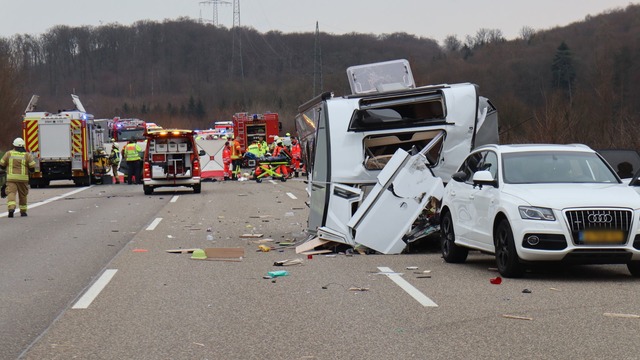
column 110, row 242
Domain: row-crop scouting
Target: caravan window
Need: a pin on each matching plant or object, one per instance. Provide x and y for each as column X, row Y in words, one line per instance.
column 400, row 112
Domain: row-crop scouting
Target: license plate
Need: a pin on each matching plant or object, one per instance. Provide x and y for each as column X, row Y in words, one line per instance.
column 597, row 237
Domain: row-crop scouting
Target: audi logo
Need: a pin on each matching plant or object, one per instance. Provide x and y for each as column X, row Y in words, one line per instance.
column 600, row 218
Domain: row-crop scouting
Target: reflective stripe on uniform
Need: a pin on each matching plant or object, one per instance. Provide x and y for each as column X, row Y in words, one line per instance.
column 131, row 152
column 17, row 166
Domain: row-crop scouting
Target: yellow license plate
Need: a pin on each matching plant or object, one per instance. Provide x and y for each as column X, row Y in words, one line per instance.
column 593, row 237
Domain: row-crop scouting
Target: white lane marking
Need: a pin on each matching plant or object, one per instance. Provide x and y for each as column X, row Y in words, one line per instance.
column 175, row 198
column 415, row 293
column 44, row 202
column 153, row 224
column 95, row 289
column 292, row 196
column 273, row 182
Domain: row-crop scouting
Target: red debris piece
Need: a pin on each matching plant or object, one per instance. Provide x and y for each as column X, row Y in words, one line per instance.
column 496, row 280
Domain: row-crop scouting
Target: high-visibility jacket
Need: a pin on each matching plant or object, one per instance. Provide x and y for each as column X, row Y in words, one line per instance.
column 264, row 147
column 254, row 149
column 114, row 157
column 296, row 152
column 236, row 150
column 132, row 152
column 17, row 164
column 226, row 155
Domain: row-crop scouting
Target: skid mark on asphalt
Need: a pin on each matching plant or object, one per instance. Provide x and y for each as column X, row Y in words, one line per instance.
column 95, row 289
column 404, row 285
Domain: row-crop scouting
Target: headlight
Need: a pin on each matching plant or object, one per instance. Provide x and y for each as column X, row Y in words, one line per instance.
column 536, row 213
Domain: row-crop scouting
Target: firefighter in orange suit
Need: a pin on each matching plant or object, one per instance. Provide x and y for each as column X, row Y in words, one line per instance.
column 226, row 160
column 236, row 157
column 282, row 153
column 296, row 154
column 18, row 164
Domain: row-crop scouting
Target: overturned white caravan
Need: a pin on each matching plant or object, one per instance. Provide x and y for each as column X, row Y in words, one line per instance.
column 377, row 159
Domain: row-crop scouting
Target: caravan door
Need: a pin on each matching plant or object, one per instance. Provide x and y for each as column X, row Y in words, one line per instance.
column 404, row 188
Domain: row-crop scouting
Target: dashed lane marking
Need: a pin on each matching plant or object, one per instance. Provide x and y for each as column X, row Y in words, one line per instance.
column 404, row 285
column 174, row 198
column 153, row 224
column 95, row 289
column 292, row 196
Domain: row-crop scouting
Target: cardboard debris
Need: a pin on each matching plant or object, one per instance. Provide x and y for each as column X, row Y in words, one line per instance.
column 251, row 236
column 316, row 252
column 517, row 317
column 181, row 251
column 223, row 254
column 311, row 245
column 629, row 316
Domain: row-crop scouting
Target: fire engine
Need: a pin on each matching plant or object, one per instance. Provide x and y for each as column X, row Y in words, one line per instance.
column 66, row 146
column 247, row 127
column 123, row 130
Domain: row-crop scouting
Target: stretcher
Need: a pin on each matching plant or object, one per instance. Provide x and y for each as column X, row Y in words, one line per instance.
column 270, row 166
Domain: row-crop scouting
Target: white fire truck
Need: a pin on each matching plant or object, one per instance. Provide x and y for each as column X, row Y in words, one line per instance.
column 66, row 146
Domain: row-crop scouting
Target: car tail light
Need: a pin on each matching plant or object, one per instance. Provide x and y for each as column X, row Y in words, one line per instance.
column 146, row 171
column 196, row 168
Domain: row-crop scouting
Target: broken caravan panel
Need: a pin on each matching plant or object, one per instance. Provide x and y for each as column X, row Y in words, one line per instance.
column 347, row 141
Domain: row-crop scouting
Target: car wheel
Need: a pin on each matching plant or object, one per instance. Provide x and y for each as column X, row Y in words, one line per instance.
column 148, row 190
column 634, row 268
column 451, row 252
column 197, row 188
column 507, row 259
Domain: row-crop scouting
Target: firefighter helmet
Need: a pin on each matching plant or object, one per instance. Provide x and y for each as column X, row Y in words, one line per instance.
column 18, row 142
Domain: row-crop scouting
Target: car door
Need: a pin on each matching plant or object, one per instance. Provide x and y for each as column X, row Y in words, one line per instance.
column 483, row 202
column 461, row 195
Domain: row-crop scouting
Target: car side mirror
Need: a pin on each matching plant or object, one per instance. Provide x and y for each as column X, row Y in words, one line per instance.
column 202, row 153
column 484, row 177
column 460, row 176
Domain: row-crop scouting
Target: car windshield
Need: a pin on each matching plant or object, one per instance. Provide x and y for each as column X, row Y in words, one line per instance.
column 555, row 167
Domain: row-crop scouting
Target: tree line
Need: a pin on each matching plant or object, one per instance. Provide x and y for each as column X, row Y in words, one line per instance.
column 567, row 84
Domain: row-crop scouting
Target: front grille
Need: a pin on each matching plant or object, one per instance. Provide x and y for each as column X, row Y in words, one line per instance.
column 598, row 219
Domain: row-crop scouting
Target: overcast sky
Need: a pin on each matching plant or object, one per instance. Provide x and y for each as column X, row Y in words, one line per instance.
column 435, row 19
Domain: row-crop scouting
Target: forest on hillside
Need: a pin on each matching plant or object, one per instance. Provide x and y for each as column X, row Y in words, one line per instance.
column 576, row 83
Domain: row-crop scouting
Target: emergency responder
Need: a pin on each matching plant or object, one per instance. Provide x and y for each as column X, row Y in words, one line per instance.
column 272, row 146
column 226, row 160
column 132, row 156
column 282, row 153
column 296, row 155
column 236, row 157
column 254, row 150
column 264, row 147
column 18, row 164
column 114, row 159
column 286, row 140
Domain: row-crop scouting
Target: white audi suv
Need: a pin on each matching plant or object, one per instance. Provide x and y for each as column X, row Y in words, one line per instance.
column 538, row 202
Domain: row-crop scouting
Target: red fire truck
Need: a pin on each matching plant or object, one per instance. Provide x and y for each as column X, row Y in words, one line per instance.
column 123, row 130
column 247, row 126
